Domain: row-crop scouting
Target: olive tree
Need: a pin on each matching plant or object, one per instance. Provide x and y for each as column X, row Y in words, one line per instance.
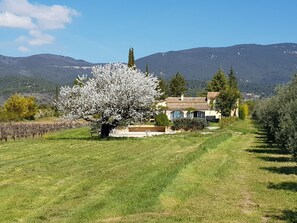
column 114, row 94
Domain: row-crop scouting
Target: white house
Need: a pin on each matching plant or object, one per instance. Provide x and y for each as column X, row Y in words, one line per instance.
column 199, row 107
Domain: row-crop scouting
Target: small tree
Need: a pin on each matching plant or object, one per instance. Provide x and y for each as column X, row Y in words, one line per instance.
column 229, row 93
column 131, row 62
column 226, row 101
column 115, row 94
column 177, row 85
column 20, row 107
column 218, row 83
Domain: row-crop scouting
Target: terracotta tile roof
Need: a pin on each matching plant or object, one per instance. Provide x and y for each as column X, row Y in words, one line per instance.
column 212, row 95
column 198, row 103
column 186, row 99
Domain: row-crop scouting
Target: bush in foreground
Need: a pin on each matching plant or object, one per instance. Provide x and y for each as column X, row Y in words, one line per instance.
column 162, row 120
column 227, row 121
column 189, row 124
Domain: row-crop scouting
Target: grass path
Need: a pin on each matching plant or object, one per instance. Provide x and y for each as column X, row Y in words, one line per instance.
column 231, row 175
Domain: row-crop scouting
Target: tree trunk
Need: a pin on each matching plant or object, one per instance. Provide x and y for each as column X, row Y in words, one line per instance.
column 105, row 130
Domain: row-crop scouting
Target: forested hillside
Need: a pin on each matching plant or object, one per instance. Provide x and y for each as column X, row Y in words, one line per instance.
column 253, row 63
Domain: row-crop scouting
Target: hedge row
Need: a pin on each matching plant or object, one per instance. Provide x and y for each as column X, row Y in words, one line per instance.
column 189, row 124
column 277, row 116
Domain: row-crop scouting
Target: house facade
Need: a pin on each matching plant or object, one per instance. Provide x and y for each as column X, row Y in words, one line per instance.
column 192, row 107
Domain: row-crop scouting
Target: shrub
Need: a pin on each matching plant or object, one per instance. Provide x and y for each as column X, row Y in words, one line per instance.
column 162, row 120
column 189, row 124
column 227, row 121
column 243, row 111
column 19, row 107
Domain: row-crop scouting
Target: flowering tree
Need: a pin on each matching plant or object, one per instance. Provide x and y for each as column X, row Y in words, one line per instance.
column 114, row 94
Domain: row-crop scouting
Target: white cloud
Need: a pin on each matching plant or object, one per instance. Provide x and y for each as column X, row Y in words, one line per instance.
column 40, row 38
column 45, row 17
column 14, row 21
column 34, row 17
column 21, row 39
column 23, row 49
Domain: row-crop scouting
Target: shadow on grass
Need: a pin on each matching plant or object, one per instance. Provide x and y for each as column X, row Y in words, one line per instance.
column 287, row 170
column 287, row 215
column 269, row 150
column 267, row 147
column 291, row 186
column 275, row 159
column 93, row 138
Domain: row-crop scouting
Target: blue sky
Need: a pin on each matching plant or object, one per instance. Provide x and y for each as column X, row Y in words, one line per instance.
column 104, row 30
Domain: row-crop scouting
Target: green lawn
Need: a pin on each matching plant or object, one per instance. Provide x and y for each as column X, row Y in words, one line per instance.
column 230, row 175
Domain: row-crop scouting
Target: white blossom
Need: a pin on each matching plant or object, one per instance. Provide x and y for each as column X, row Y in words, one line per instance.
column 114, row 93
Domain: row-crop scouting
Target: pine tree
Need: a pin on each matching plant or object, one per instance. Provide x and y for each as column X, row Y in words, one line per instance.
column 232, row 79
column 218, row 82
column 177, row 85
column 131, row 62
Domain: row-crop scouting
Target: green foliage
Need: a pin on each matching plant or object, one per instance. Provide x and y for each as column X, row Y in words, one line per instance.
column 162, row 120
column 232, row 80
column 251, row 105
column 189, row 124
column 227, row 121
column 266, row 113
column 277, row 116
column 243, row 111
column 131, row 61
column 218, row 83
column 227, row 100
column 177, row 85
column 23, row 84
column 46, row 112
column 147, row 70
column 229, row 93
column 5, row 116
column 19, row 107
column 163, row 88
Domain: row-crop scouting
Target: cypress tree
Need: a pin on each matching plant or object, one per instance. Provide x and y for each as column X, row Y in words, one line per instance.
column 147, row 70
column 131, row 62
column 232, row 79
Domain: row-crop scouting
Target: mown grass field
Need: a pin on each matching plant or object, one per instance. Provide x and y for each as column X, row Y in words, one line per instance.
column 230, row 175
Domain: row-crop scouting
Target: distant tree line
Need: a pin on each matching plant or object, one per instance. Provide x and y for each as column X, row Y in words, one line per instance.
column 277, row 116
column 227, row 86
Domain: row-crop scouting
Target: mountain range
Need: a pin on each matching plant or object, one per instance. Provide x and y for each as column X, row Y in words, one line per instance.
column 254, row 64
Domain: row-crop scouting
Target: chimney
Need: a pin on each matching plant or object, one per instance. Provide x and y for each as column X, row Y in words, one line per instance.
column 182, row 97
